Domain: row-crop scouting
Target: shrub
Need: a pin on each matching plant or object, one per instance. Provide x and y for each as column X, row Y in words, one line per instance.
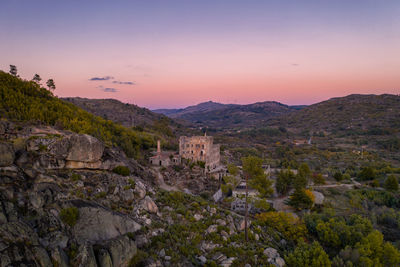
column 367, row 173
column 391, row 183
column 69, row 215
column 301, row 199
column 121, row 170
column 338, row 176
column 308, row 255
column 139, row 259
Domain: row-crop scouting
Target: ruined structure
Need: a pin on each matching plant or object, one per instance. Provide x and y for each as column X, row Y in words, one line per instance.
column 164, row 158
column 200, row 148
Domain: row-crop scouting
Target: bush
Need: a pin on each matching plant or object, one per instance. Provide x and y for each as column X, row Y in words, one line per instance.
column 391, row 183
column 301, row 199
column 121, row 170
column 69, row 215
column 308, row 255
column 367, row 173
column 139, row 259
column 338, row 176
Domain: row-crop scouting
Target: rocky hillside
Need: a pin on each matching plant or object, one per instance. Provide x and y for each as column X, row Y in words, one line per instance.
column 221, row 116
column 126, row 114
column 66, row 199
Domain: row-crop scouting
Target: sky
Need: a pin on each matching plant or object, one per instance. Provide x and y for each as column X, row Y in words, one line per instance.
column 168, row 54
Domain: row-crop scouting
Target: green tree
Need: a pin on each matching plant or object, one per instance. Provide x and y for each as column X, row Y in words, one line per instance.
column 51, row 85
column 318, row 179
column 391, row 183
column 308, row 255
column 338, row 176
column 367, row 173
column 303, row 176
column 13, row 70
column 300, row 199
column 233, row 169
column 36, row 78
column 284, row 181
column 252, row 167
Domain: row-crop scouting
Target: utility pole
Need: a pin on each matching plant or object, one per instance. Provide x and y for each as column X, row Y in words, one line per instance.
column 246, row 212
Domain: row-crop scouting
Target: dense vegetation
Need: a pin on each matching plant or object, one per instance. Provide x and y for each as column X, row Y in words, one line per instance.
column 26, row 101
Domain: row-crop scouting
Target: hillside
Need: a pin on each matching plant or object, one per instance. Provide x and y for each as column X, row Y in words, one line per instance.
column 126, row 114
column 25, row 101
column 227, row 116
column 357, row 114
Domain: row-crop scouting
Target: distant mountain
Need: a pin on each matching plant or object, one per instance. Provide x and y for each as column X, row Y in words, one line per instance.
column 126, row 114
column 217, row 115
column 354, row 113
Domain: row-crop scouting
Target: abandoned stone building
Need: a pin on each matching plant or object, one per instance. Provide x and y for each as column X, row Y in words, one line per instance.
column 200, row 148
column 164, row 158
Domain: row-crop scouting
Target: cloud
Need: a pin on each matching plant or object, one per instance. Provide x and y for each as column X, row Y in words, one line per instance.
column 295, row 65
column 127, row 83
column 107, row 89
column 106, row 78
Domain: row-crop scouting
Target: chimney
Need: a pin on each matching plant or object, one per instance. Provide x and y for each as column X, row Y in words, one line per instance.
column 158, row 147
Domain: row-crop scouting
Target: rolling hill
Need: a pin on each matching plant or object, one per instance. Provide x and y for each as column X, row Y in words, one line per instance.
column 227, row 116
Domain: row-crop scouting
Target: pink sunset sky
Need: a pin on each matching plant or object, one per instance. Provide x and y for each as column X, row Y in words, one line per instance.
column 160, row 55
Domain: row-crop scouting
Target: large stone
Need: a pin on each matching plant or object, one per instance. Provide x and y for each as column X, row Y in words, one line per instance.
column 85, row 148
column 85, row 257
column 41, row 256
column 211, row 229
column 149, row 205
column 271, row 253
column 121, row 250
column 7, row 155
column 59, row 258
column 104, row 258
column 96, row 223
column 279, row 262
column 319, row 197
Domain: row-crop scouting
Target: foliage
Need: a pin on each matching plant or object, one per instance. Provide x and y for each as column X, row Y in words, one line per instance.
column 318, row 179
column 338, row 176
column 27, row 101
column 300, row 199
column 391, row 183
column 308, row 255
column 139, row 259
column 121, row 170
column 290, row 227
column 367, row 173
column 252, row 166
column 13, row 70
column 284, row 181
column 233, row 169
column 69, row 215
column 375, row 252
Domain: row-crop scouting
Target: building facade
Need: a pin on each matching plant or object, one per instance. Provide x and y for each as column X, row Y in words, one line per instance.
column 164, row 158
column 200, row 148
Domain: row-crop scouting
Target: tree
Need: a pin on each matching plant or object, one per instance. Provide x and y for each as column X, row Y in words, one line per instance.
column 391, row 183
column 318, row 179
column 233, row 169
column 301, row 199
column 13, row 70
column 252, row 166
column 51, row 85
column 308, row 255
column 367, row 173
column 338, row 176
column 255, row 175
column 36, row 78
column 303, row 176
column 284, row 181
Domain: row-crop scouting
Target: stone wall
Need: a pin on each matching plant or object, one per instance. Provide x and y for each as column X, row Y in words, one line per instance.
column 200, row 148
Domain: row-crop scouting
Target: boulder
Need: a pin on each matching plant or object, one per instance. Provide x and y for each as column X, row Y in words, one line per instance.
column 149, row 205
column 84, row 148
column 279, row 262
column 271, row 253
column 97, row 223
column 121, row 250
column 59, row 258
column 319, row 197
column 197, row 217
column 7, row 155
column 211, row 229
column 85, row 257
column 104, row 258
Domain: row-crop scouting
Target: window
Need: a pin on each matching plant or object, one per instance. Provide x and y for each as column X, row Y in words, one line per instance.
column 202, row 146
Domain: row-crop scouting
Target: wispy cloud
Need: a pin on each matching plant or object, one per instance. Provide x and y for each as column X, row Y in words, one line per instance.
column 295, row 65
column 127, row 83
column 105, row 78
column 107, row 89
